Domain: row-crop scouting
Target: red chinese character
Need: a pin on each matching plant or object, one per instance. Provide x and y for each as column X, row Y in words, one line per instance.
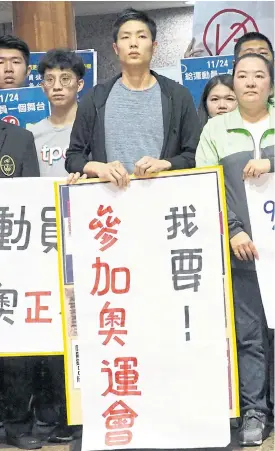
column 110, row 279
column 115, row 438
column 38, row 308
column 105, row 233
column 112, row 317
column 125, row 378
column 119, row 418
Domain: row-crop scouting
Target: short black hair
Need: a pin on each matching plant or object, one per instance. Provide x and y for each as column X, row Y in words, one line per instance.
column 13, row 42
column 224, row 79
column 62, row 59
column 251, row 36
column 268, row 64
column 133, row 14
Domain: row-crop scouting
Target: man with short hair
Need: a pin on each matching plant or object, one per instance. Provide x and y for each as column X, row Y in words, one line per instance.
column 62, row 74
column 17, row 148
column 17, row 151
column 14, row 62
column 138, row 121
column 254, row 42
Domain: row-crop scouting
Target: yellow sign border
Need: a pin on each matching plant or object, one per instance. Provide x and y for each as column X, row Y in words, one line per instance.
column 235, row 411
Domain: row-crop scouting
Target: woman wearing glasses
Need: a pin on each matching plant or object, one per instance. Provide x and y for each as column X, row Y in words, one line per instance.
column 62, row 72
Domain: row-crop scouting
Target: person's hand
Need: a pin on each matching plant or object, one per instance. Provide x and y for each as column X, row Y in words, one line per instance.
column 111, row 172
column 149, row 165
column 243, row 247
column 191, row 52
column 73, row 178
column 255, row 168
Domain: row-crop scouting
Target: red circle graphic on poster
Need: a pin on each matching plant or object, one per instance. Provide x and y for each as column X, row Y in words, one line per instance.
column 11, row 120
column 241, row 22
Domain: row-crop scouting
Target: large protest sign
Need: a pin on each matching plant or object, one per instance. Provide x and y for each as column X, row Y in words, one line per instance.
column 143, row 292
column 196, row 72
column 22, row 106
column 261, row 205
column 29, row 293
column 218, row 25
column 89, row 58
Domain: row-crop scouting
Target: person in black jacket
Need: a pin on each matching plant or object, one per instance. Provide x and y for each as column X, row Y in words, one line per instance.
column 18, row 157
column 27, row 396
column 138, row 122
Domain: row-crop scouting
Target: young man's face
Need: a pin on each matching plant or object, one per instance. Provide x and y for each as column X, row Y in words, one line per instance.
column 61, row 87
column 256, row 46
column 134, row 45
column 13, row 69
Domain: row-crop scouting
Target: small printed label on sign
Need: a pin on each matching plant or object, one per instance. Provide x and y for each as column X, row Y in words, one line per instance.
column 76, row 365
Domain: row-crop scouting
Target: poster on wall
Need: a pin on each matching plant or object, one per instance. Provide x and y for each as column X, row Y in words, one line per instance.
column 217, row 25
column 196, row 72
column 22, row 106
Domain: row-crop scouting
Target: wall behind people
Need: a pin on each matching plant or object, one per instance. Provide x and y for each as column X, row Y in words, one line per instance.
column 174, row 27
column 174, row 34
column 5, row 28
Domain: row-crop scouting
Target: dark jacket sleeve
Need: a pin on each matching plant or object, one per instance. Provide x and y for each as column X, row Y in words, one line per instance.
column 190, row 134
column 235, row 226
column 269, row 153
column 81, row 136
column 30, row 160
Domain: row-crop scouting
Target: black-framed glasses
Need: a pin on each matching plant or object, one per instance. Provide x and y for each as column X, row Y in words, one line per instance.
column 64, row 80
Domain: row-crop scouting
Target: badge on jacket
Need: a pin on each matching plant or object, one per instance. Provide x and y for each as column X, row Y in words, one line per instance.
column 7, row 165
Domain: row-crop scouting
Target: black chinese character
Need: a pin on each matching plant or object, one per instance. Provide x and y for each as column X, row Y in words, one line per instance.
column 188, row 227
column 6, row 229
column 48, row 233
column 8, row 298
column 182, row 272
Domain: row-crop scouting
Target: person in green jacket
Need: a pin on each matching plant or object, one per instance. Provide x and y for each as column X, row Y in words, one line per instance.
column 255, row 42
column 243, row 142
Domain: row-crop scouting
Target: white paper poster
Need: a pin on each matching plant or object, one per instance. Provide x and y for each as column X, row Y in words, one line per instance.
column 218, row 25
column 150, row 314
column 29, row 293
column 261, row 204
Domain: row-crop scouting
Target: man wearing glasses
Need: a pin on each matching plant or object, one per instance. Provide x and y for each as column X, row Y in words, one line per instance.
column 62, row 72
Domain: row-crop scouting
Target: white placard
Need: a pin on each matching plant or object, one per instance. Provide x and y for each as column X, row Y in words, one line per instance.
column 173, row 338
column 29, row 294
column 218, row 25
column 261, row 205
